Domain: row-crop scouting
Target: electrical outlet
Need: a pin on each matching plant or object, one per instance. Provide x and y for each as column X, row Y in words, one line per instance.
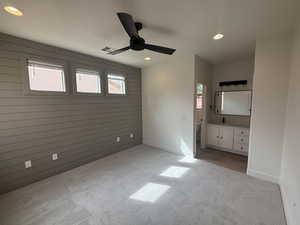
column 54, row 156
column 28, row 164
column 131, row 135
column 118, row 139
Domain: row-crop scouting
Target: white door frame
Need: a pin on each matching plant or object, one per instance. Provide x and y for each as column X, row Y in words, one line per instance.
column 204, row 122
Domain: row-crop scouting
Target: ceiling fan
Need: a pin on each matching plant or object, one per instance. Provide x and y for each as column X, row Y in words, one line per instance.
column 137, row 43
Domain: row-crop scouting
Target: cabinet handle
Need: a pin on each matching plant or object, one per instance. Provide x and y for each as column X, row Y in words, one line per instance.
column 242, row 139
column 217, row 136
column 221, row 137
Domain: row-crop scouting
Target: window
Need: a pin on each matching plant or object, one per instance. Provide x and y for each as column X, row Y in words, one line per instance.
column 199, row 103
column 199, row 98
column 88, row 81
column 116, row 84
column 46, row 77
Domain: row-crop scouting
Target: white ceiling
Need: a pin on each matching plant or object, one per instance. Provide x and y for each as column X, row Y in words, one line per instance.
column 188, row 25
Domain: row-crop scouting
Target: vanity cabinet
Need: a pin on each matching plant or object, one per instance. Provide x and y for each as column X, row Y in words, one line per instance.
column 228, row 138
column 213, row 134
column 241, row 139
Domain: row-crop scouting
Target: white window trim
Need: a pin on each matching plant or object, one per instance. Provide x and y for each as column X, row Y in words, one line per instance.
column 76, row 67
column 46, row 60
column 117, row 73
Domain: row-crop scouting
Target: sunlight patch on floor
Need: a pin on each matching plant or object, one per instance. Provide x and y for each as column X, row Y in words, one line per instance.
column 150, row 192
column 174, row 171
column 188, row 159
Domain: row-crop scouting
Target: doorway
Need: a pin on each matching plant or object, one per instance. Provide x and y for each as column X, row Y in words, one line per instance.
column 202, row 129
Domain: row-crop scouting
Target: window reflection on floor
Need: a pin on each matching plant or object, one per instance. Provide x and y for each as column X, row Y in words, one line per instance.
column 150, row 192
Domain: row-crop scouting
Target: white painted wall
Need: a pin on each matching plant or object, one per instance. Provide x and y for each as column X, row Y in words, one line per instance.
column 290, row 170
column 270, row 88
column 168, row 90
column 237, row 70
column 168, row 106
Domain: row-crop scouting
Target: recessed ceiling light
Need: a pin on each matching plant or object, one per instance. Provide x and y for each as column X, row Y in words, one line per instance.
column 218, row 36
column 12, row 10
column 147, row 58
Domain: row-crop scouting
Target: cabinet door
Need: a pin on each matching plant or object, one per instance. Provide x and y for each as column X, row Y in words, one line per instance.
column 226, row 137
column 213, row 135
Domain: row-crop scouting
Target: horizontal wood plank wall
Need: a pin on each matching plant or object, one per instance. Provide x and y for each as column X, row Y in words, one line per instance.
column 79, row 128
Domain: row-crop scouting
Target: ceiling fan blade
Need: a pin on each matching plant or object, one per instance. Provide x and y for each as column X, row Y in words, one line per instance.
column 118, row 51
column 160, row 49
column 128, row 24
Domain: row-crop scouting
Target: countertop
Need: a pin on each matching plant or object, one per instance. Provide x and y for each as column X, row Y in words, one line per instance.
column 228, row 125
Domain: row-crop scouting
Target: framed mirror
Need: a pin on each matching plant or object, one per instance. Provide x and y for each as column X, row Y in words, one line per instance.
column 236, row 103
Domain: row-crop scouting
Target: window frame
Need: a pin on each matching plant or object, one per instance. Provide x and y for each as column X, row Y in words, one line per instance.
column 26, row 81
column 199, row 95
column 77, row 66
column 116, row 73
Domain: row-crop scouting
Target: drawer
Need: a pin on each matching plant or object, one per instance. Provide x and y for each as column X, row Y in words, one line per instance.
column 241, row 132
column 241, row 139
column 240, row 147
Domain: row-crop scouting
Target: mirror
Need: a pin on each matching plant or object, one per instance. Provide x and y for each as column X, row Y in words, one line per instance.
column 233, row 103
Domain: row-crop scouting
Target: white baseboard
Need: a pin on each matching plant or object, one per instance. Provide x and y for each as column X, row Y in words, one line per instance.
column 262, row 176
column 285, row 203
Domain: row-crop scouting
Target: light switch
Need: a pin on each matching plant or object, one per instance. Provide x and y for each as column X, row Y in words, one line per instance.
column 118, row 139
column 131, row 135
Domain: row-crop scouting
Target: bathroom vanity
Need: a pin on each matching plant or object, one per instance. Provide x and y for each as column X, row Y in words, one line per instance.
column 228, row 138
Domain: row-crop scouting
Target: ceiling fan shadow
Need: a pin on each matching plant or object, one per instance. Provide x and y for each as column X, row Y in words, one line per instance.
column 159, row 29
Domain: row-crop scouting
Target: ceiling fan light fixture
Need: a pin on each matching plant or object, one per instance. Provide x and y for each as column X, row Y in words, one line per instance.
column 147, row 58
column 137, row 43
column 218, row 36
column 12, row 10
